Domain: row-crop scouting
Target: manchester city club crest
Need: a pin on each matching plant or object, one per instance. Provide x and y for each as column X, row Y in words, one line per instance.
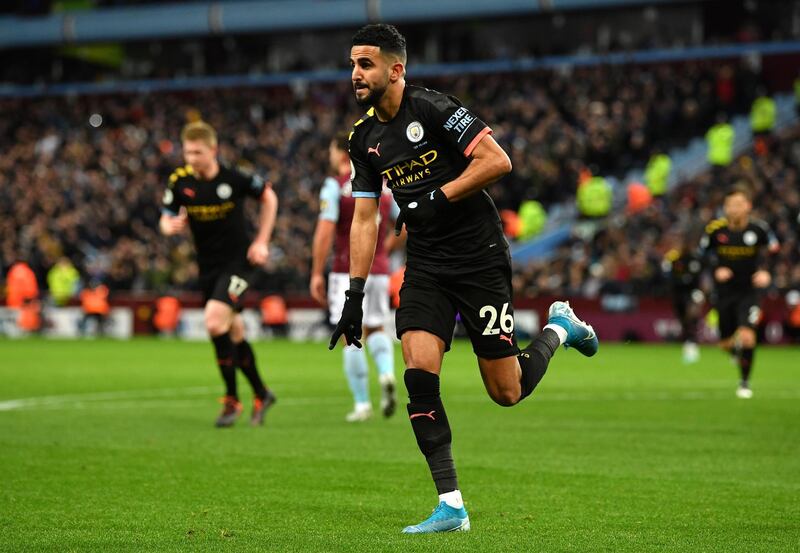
column 414, row 131
column 224, row 191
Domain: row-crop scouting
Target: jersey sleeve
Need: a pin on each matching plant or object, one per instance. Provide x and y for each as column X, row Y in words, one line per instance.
column 365, row 180
column 767, row 237
column 706, row 250
column 394, row 209
column 170, row 201
column 458, row 125
column 254, row 185
column 329, row 200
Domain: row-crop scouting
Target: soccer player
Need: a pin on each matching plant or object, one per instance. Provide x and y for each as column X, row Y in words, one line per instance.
column 437, row 158
column 733, row 247
column 684, row 267
column 210, row 198
column 336, row 214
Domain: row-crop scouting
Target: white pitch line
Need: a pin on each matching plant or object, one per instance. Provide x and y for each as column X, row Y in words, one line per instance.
column 133, row 399
column 41, row 401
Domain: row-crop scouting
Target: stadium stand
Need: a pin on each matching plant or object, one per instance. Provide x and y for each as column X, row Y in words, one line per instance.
column 88, row 186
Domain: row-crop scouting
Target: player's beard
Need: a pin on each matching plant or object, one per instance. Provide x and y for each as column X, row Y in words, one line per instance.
column 374, row 96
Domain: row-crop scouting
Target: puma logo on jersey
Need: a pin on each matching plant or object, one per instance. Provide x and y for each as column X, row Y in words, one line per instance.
column 374, row 150
column 507, row 339
column 432, row 193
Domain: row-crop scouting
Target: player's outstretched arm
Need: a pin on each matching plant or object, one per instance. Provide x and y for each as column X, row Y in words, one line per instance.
column 258, row 252
column 363, row 238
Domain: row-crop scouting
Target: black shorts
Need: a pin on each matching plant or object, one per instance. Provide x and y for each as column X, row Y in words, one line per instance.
column 739, row 310
column 430, row 301
column 680, row 303
column 228, row 283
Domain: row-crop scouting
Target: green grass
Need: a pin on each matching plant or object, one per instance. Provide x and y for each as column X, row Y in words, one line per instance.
column 628, row 451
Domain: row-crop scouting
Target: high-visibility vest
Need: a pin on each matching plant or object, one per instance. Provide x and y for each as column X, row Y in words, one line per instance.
column 274, row 311
column 533, row 218
column 21, row 285
column 762, row 114
column 720, row 139
column 594, row 198
column 168, row 312
column 61, row 281
column 30, row 316
column 656, row 174
column 94, row 301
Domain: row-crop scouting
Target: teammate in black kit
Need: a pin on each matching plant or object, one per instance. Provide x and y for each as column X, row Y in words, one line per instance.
column 734, row 248
column 684, row 266
column 437, row 157
column 211, row 198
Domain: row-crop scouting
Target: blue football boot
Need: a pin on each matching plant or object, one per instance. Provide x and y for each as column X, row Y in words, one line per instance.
column 580, row 335
column 444, row 519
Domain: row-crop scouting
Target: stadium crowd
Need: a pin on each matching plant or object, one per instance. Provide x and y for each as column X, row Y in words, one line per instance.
column 82, row 177
column 626, row 251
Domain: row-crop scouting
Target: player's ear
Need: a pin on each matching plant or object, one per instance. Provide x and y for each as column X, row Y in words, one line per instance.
column 397, row 71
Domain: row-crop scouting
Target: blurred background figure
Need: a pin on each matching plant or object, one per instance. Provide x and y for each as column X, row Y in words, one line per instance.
column 22, row 294
column 274, row 316
column 95, row 307
column 167, row 316
column 62, row 281
column 685, row 267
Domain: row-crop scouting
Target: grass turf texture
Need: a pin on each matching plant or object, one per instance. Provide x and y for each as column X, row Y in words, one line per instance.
column 628, row 451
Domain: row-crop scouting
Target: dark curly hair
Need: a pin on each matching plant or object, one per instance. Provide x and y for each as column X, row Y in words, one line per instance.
column 386, row 37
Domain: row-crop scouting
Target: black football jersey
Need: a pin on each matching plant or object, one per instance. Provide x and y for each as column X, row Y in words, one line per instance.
column 216, row 211
column 684, row 269
column 426, row 145
column 742, row 251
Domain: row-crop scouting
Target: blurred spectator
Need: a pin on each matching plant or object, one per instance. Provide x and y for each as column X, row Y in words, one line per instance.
column 22, row 293
column 274, row 315
column 62, row 280
column 95, row 306
column 762, row 114
column 21, row 285
column 656, row 174
column 167, row 315
column 595, row 197
column 720, row 139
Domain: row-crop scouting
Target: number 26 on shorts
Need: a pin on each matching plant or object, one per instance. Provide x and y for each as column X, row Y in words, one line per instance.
column 506, row 320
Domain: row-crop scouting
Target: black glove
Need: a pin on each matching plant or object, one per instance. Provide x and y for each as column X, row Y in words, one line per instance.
column 421, row 210
column 350, row 322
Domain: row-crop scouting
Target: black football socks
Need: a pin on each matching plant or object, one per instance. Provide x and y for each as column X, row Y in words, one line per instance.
column 431, row 428
column 533, row 360
column 246, row 361
column 226, row 354
column 746, row 364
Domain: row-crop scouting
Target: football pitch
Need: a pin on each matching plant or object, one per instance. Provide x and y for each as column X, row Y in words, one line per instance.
column 110, row 446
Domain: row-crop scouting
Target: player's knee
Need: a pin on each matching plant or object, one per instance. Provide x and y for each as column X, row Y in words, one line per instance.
column 237, row 330
column 216, row 325
column 747, row 338
column 506, row 396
